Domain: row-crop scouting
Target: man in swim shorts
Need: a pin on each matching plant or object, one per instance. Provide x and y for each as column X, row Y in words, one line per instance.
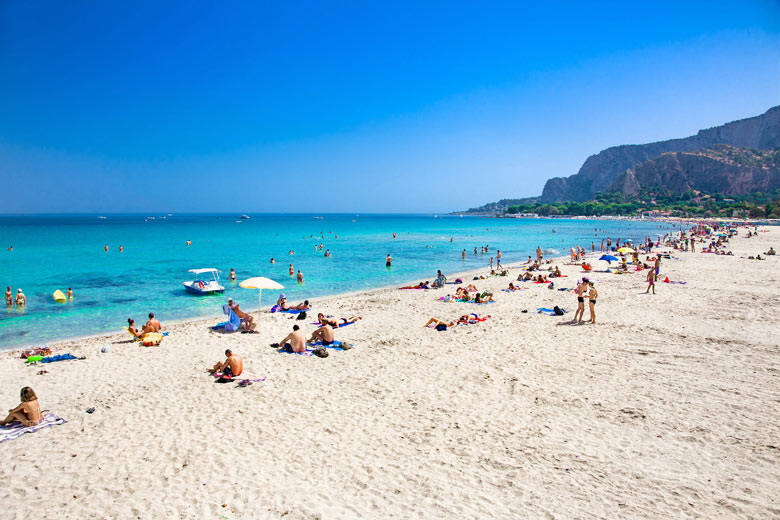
column 249, row 321
column 323, row 334
column 295, row 341
column 651, row 278
column 233, row 366
column 9, row 297
column 388, row 261
column 581, row 288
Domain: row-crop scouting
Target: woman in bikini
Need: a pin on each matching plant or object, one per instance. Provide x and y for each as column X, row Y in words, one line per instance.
column 335, row 323
column 593, row 294
column 28, row 412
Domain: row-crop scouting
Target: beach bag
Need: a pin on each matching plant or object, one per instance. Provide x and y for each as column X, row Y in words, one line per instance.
column 441, row 326
column 558, row 311
column 320, row 352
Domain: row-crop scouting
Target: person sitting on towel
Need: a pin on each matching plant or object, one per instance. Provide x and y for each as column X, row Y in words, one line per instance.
column 295, row 341
column 28, row 412
column 233, row 366
column 333, row 322
column 249, row 321
column 323, row 334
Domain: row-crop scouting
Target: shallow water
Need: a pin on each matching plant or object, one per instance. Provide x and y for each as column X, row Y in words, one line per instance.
column 57, row 252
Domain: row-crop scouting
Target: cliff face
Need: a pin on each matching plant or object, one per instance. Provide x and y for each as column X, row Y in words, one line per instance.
column 722, row 169
column 600, row 171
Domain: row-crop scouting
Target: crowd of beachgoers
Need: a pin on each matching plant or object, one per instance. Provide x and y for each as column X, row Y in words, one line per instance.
column 318, row 326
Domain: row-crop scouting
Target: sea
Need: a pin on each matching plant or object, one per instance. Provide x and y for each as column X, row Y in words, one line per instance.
column 53, row 252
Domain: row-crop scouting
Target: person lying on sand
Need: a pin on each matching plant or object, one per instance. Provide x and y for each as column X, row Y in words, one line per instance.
column 232, row 366
column 337, row 322
column 249, row 321
column 28, row 412
column 484, row 297
column 771, row 252
column 323, row 334
column 512, row 287
column 434, row 322
column 294, row 341
column 524, row 278
column 282, row 303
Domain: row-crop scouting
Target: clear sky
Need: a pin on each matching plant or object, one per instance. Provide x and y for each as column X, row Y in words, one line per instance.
column 355, row 106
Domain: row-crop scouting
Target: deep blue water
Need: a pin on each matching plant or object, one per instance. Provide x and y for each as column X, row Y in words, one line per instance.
column 57, row 252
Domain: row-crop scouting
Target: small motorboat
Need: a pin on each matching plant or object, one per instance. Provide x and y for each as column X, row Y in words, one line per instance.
column 206, row 282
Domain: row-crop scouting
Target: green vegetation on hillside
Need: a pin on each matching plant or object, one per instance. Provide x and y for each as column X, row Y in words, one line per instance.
column 663, row 202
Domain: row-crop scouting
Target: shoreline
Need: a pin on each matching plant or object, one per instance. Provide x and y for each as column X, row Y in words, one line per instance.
column 658, row 410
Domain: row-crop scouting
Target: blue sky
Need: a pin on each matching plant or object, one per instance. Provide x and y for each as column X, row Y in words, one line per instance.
column 345, row 106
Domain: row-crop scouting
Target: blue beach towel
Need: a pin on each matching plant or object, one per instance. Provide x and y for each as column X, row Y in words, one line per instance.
column 276, row 308
column 549, row 312
column 336, row 345
column 61, row 357
column 308, row 352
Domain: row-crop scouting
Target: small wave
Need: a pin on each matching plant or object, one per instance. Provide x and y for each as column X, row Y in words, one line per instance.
column 551, row 251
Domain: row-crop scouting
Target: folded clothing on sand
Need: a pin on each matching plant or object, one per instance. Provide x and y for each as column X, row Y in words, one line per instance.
column 17, row 429
column 549, row 312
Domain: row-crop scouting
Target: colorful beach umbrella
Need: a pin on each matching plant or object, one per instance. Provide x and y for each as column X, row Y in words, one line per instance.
column 609, row 258
column 625, row 250
column 260, row 283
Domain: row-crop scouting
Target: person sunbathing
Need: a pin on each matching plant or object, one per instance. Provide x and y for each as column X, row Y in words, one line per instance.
column 524, row 278
column 233, row 366
column 511, row 287
column 334, row 322
column 433, row 323
column 153, row 325
column 771, row 252
column 556, row 272
column 484, row 297
column 246, row 319
column 282, row 303
column 324, row 334
column 471, row 288
column 294, row 341
column 28, row 412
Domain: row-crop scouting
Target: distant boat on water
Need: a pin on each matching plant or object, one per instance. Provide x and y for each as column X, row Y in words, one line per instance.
column 245, row 216
column 319, row 218
column 102, row 217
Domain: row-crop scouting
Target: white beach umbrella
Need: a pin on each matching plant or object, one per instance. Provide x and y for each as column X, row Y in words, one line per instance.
column 260, row 283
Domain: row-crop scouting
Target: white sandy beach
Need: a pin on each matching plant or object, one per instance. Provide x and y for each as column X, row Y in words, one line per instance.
column 667, row 408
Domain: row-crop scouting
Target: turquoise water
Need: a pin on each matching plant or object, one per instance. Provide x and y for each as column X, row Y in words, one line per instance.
column 57, row 252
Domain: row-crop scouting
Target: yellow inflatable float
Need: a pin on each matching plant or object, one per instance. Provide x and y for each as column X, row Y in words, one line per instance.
column 59, row 296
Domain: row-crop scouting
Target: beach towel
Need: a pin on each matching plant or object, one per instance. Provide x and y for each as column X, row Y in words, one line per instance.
column 308, row 352
column 245, row 376
column 472, row 301
column 16, row 429
column 549, row 312
column 61, row 357
column 336, row 345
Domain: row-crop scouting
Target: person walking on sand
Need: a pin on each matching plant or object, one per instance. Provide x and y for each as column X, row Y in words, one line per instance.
column 651, row 278
column 388, row 261
column 539, row 254
column 580, row 291
column 593, row 294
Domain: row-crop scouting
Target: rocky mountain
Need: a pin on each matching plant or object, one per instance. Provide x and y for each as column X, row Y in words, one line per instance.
column 607, row 170
column 721, row 169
